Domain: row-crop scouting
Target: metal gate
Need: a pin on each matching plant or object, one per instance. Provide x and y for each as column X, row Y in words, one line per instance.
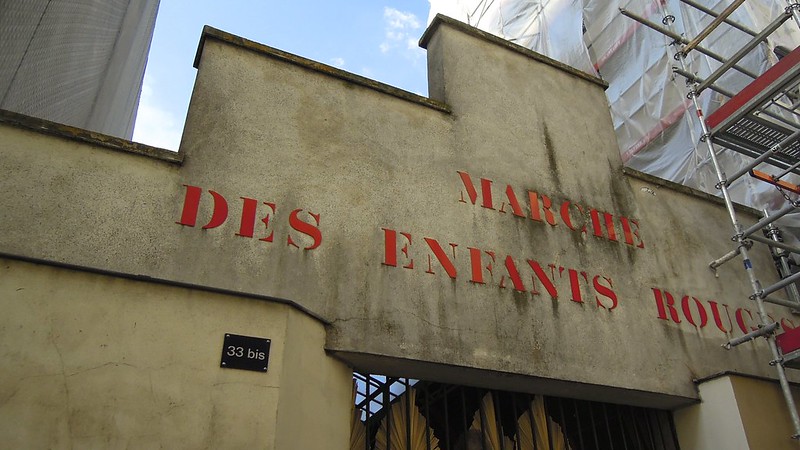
column 406, row 414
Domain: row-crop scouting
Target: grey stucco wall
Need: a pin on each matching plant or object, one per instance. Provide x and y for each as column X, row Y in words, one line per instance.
column 365, row 163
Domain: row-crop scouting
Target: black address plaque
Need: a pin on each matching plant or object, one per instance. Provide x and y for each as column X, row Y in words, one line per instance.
column 245, row 352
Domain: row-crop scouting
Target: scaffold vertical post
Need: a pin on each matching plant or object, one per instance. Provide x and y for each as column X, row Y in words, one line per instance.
column 773, row 154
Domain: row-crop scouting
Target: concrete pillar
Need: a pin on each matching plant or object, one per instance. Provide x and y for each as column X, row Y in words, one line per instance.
column 736, row 412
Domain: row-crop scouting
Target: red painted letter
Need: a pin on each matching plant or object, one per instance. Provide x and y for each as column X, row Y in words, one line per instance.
column 662, row 307
column 568, row 219
column 740, row 320
column 248, row 223
column 513, row 273
column 472, row 194
column 547, row 282
column 533, row 198
column 220, row 211
column 597, row 226
column 306, row 228
column 574, row 283
column 441, row 257
column 605, row 291
column 477, row 265
column 390, row 248
column 717, row 316
column 190, row 204
column 687, row 311
column 513, row 202
column 631, row 232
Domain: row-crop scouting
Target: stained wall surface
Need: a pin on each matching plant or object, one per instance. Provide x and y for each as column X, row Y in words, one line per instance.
column 476, row 237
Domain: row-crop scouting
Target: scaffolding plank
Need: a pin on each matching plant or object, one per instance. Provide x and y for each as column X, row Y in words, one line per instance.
column 754, row 94
column 759, row 135
column 747, row 124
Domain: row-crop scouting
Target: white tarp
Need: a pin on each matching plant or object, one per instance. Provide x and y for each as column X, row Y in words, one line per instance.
column 79, row 62
column 655, row 123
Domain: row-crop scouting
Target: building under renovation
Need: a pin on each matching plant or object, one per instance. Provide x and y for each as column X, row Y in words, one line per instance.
column 329, row 262
column 79, row 63
column 655, row 123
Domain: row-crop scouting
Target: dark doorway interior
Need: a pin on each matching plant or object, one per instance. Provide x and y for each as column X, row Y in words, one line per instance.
column 405, row 414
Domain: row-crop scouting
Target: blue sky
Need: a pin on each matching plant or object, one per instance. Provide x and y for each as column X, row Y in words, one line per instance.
column 371, row 38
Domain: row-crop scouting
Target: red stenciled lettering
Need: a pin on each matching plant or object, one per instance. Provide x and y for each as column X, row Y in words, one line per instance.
column 630, row 229
column 265, row 221
column 220, row 211
column 626, row 230
column 248, row 222
column 472, row 193
column 300, row 228
column 476, row 262
column 574, row 283
column 390, row 248
column 740, row 320
column 638, row 239
column 567, row 218
column 718, row 317
column 443, row 259
column 546, row 206
column 309, row 229
column 771, row 319
column 597, row 224
column 513, row 273
column 574, row 216
column 191, row 202
column 516, row 209
column 664, row 302
column 605, row 291
column 547, row 282
column 686, row 306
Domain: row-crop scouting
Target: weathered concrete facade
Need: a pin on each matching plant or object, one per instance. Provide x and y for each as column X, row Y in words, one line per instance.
column 486, row 236
column 97, row 361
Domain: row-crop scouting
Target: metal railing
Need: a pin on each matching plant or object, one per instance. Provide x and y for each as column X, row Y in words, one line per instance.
column 469, row 418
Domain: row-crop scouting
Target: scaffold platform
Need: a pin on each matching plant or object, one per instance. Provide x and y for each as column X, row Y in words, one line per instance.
column 763, row 117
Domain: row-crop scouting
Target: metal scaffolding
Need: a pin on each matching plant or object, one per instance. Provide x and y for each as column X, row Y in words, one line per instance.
column 761, row 121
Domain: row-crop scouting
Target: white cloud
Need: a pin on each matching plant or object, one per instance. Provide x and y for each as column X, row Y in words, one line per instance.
column 402, row 31
column 367, row 72
column 400, row 20
column 155, row 126
column 338, row 62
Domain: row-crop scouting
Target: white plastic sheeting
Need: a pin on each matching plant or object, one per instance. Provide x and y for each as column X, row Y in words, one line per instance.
column 79, row 62
column 552, row 28
column 655, row 123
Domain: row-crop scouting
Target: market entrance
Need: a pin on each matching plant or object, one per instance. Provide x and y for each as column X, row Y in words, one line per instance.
column 424, row 415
